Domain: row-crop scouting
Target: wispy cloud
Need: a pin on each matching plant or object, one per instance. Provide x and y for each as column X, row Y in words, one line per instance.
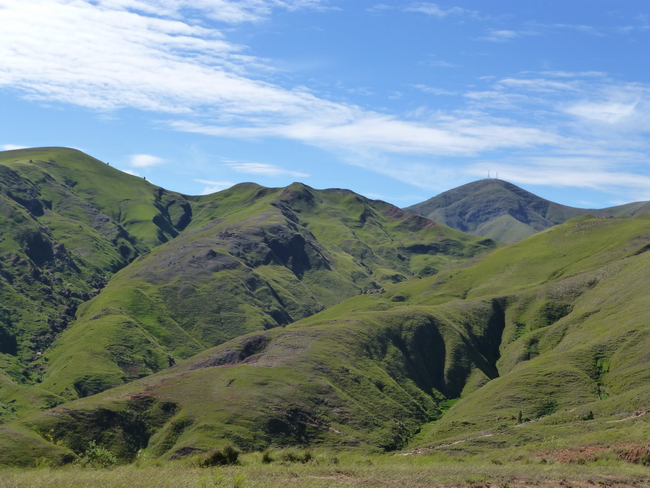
column 380, row 7
column 145, row 160
column 503, row 35
column 12, row 147
column 437, row 11
column 214, row 186
column 574, row 74
column 130, row 172
column 607, row 112
column 450, row 136
column 434, row 91
column 264, row 169
column 428, row 8
column 587, row 29
column 539, row 84
column 130, row 53
column 441, row 64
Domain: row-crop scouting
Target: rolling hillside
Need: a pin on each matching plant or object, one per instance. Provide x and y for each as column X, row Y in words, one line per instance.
column 301, row 317
column 67, row 223
column 208, row 269
column 551, row 329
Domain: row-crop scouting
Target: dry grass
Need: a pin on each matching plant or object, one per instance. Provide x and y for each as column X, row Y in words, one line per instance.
column 349, row 471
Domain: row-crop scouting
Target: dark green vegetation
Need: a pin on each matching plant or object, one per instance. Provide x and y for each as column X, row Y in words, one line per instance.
column 504, row 212
column 542, row 344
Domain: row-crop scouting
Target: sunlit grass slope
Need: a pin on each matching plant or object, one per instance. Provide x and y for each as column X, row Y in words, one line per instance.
column 67, row 223
column 575, row 343
column 246, row 259
column 252, row 259
column 544, row 342
column 367, row 381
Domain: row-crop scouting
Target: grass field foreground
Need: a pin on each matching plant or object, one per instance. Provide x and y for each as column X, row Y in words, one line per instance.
column 342, row 469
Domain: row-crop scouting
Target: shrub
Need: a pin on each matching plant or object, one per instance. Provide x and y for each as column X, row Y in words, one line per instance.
column 546, row 408
column 267, row 458
column 296, row 456
column 220, row 457
column 589, row 416
column 97, row 457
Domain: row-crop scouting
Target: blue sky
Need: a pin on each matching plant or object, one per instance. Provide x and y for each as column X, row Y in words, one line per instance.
column 396, row 100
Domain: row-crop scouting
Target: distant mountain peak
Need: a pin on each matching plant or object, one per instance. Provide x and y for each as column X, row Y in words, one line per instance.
column 505, row 212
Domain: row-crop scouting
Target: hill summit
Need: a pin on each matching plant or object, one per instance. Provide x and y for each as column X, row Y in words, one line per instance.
column 505, row 212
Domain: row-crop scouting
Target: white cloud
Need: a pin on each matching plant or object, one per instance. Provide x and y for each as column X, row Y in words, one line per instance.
column 264, row 169
column 505, row 35
column 214, row 186
column 574, row 74
column 130, row 172
column 625, row 107
column 580, row 28
column 116, row 57
column 437, row 11
column 433, row 90
column 608, row 112
column 12, row 147
column 442, row 64
column 450, row 136
column 380, row 7
column 145, row 160
column 537, row 84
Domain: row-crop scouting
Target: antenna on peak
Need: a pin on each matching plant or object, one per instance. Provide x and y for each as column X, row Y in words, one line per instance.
column 488, row 174
column 497, row 176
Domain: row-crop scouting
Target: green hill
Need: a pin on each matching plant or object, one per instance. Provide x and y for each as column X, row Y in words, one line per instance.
column 301, row 317
column 208, row 269
column 504, row 212
column 263, row 259
column 552, row 327
column 67, row 223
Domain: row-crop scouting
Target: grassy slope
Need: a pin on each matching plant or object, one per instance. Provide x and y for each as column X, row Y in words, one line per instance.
column 368, row 380
column 527, row 324
column 67, row 223
column 252, row 259
column 528, row 328
column 574, row 342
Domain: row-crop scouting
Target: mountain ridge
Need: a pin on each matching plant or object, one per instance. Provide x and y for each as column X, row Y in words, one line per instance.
column 505, row 212
column 107, row 277
column 242, row 318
